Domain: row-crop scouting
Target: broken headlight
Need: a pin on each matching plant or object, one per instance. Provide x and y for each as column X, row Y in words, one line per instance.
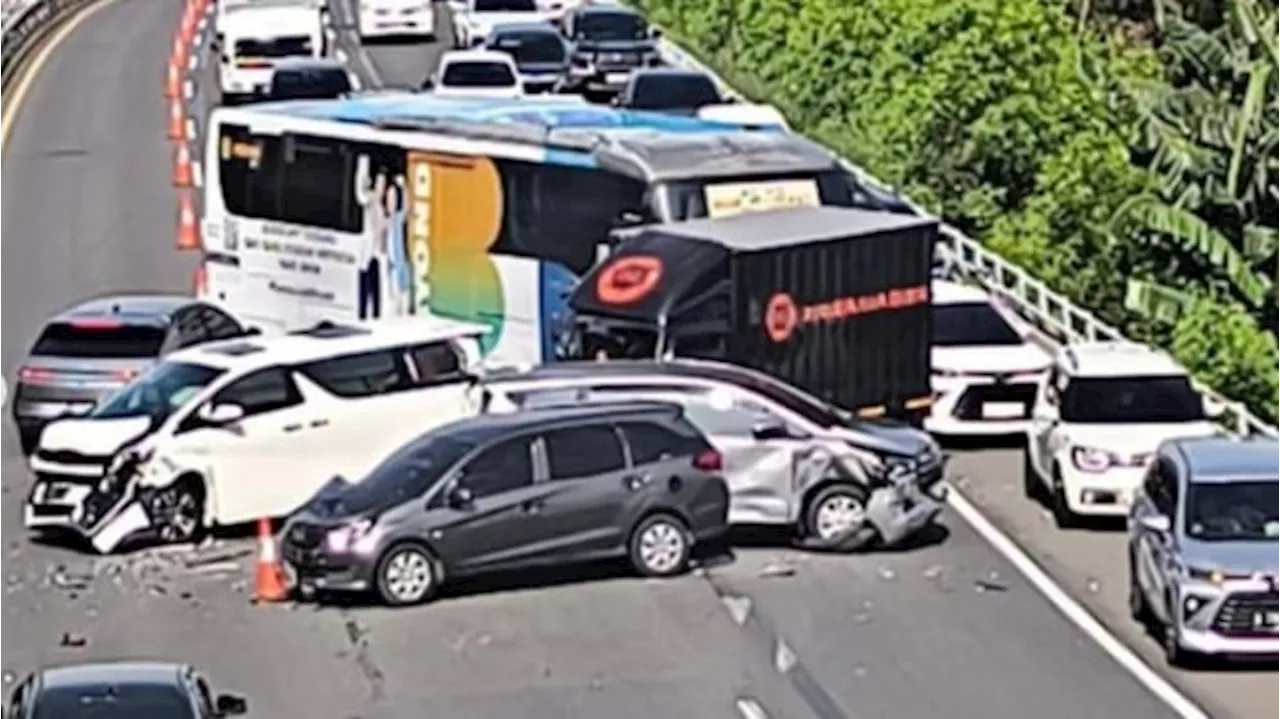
column 901, row 470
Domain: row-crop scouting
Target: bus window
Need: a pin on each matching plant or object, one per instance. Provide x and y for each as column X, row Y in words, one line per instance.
column 249, row 173
column 561, row 213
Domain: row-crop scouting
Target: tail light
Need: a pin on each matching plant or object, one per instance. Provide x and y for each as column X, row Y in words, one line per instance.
column 34, row 375
column 96, row 324
column 125, row 375
column 709, row 460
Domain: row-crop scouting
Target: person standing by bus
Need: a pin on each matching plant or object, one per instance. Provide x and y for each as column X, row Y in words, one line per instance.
column 372, row 197
column 399, row 271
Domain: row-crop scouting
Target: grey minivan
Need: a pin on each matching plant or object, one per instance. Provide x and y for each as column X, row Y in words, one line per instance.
column 546, row 486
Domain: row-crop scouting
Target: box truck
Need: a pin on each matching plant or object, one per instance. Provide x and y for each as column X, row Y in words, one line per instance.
column 832, row 300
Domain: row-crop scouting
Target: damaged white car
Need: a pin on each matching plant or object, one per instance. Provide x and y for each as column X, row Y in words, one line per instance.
column 790, row 458
column 233, row 431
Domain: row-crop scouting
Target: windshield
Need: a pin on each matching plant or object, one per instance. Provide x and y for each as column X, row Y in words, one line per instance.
column 278, row 47
column 688, row 199
column 309, row 84
column 1229, row 511
column 505, row 6
column 532, row 48
column 610, row 26
column 408, row 473
column 1131, row 400
column 123, row 701
column 107, row 340
column 477, row 74
column 667, row 91
column 971, row 324
column 158, row 393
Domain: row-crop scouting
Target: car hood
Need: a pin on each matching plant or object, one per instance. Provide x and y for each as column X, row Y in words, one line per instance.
column 887, row 437
column 93, row 436
column 487, row 20
column 1128, row 440
column 1013, row 359
column 1243, row 557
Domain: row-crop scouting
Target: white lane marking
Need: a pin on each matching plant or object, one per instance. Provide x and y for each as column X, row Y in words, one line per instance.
column 197, row 177
column 375, row 78
column 331, row 34
column 1074, row 612
column 341, row 55
column 191, row 129
column 739, row 608
column 193, row 63
column 784, row 659
column 355, row 81
column 188, row 90
column 204, row 23
column 750, row 708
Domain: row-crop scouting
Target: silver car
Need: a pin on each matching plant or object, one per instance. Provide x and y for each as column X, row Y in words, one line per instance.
column 790, row 458
column 1203, row 549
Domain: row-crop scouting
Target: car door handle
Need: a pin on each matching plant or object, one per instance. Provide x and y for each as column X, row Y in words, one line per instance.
column 292, row 427
column 531, row 506
column 319, row 423
column 634, row 482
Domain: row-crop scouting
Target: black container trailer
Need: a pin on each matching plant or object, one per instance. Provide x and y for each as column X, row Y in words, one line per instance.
column 833, row 300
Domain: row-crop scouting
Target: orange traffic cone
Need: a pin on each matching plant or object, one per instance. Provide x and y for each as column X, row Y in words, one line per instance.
column 188, row 228
column 177, row 121
column 178, row 55
column 181, row 165
column 199, row 281
column 173, row 82
column 268, row 580
column 187, row 27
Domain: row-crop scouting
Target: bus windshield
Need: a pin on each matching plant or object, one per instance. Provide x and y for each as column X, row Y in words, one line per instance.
column 696, row 198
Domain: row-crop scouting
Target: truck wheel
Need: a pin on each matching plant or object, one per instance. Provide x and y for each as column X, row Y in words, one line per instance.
column 659, row 546
column 836, row 513
column 1062, row 514
column 406, row 574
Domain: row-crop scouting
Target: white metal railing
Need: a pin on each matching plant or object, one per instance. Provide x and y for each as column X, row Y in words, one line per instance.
column 968, row 260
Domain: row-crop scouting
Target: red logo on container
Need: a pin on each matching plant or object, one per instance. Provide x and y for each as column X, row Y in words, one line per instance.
column 781, row 317
column 629, row 280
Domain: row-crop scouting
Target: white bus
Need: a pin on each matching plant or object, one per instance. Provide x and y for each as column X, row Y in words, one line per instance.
column 479, row 209
column 253, row 36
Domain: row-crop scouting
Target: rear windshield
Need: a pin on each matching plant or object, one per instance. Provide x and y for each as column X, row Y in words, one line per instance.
column 107, row 340
column 611, row 26
column 1131, row 400
column 971, row 324
column 664, row 92
column 278, row 47
column 477, row 74
column 505, row 6
column 120, row 702
column 309, row 84
column 529, row 48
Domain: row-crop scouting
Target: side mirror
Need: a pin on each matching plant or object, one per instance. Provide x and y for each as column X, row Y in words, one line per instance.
column 227, row 705
column 1158, row 523
column 1213, row 407
column 655, row 33
column 770, row 429
column 460, row 498
column 428, row 85
column 219, row 415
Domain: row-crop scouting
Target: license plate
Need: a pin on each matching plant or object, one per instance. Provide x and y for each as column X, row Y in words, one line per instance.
column 1269, row 619
column 617, row 78
column 1003, row 410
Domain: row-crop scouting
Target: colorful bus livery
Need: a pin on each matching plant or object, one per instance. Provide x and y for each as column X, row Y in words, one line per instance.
column 481, row 209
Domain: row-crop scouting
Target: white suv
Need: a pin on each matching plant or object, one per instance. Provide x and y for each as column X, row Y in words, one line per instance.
column 1098, row 416
column 233, row 431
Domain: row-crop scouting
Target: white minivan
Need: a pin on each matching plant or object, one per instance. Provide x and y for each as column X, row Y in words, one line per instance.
column 253, row 37
column 399, row 18
column 249, row 428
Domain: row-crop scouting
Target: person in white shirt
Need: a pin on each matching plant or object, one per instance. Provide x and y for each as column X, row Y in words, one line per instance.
column 372, row 197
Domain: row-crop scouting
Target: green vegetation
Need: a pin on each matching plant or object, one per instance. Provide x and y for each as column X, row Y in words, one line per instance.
column 1123, row 152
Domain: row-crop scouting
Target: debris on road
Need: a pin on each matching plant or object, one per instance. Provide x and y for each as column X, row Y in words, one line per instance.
column 776, row 569
column 1093, row 585
column 887, row 574
column 72, row 640
column 933, row 572
column 218, row 559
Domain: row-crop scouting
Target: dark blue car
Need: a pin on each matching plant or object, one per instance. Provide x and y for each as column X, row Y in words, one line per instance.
column 540, row 53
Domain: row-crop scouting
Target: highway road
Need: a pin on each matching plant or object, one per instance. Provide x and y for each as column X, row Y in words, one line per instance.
column 948, row 628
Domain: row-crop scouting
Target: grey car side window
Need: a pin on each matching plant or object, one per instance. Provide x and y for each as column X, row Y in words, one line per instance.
column 503, row 467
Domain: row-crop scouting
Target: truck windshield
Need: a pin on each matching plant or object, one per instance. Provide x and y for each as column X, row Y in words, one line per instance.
column 696, row 198
column 971, row 324
column 309, row 84
column 157, row 393
column 1131, row 400
column 277, row 47
column 1233, row 511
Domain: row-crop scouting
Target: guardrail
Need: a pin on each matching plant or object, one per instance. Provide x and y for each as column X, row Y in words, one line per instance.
column 25, row 26
column 967, row 259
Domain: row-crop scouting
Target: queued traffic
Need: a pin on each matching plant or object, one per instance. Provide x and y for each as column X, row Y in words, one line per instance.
column 565, row 303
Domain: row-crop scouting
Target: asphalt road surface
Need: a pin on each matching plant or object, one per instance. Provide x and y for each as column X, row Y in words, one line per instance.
column 944, row 629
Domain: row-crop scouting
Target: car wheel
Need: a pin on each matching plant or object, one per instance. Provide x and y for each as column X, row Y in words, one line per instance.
column 1138, row 610
column 660, row 546
column 836, row 513
column 406, row 575
column 178, row 512
column 1062, row 514
column 1174, row 654
column 1032, row 488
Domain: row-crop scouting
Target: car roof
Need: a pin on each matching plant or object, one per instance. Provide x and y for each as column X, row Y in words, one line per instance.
column 1220, row 459
column 1119, row 359
column 946, row 292
column 111, row 673
column 133, row 309
column 325, row 340
column 482, row 428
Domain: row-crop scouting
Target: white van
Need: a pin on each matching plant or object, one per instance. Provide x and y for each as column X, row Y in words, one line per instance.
column 386, row 18
column 253, row 36
column 248, row 428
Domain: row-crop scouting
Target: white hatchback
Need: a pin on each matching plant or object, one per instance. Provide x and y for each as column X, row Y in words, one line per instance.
column 249, row 428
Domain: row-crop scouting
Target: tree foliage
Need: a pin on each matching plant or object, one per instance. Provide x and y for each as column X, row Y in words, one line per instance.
column 1002, row 116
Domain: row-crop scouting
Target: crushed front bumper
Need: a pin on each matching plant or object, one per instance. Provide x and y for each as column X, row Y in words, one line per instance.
column 898, row 512
column 106, row 513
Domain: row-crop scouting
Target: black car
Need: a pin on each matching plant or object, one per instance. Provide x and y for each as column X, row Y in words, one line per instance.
column 120, row 690
column 669, row 89
column 609, row 42
column 308, row 79
column 543, row 486
column 99, row 345
column 540, row 53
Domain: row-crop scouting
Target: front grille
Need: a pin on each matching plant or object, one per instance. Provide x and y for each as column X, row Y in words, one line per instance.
column 67, row 456
column 67, row 479
column 306, row 536
column 970, row 406
column 1245, row 614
